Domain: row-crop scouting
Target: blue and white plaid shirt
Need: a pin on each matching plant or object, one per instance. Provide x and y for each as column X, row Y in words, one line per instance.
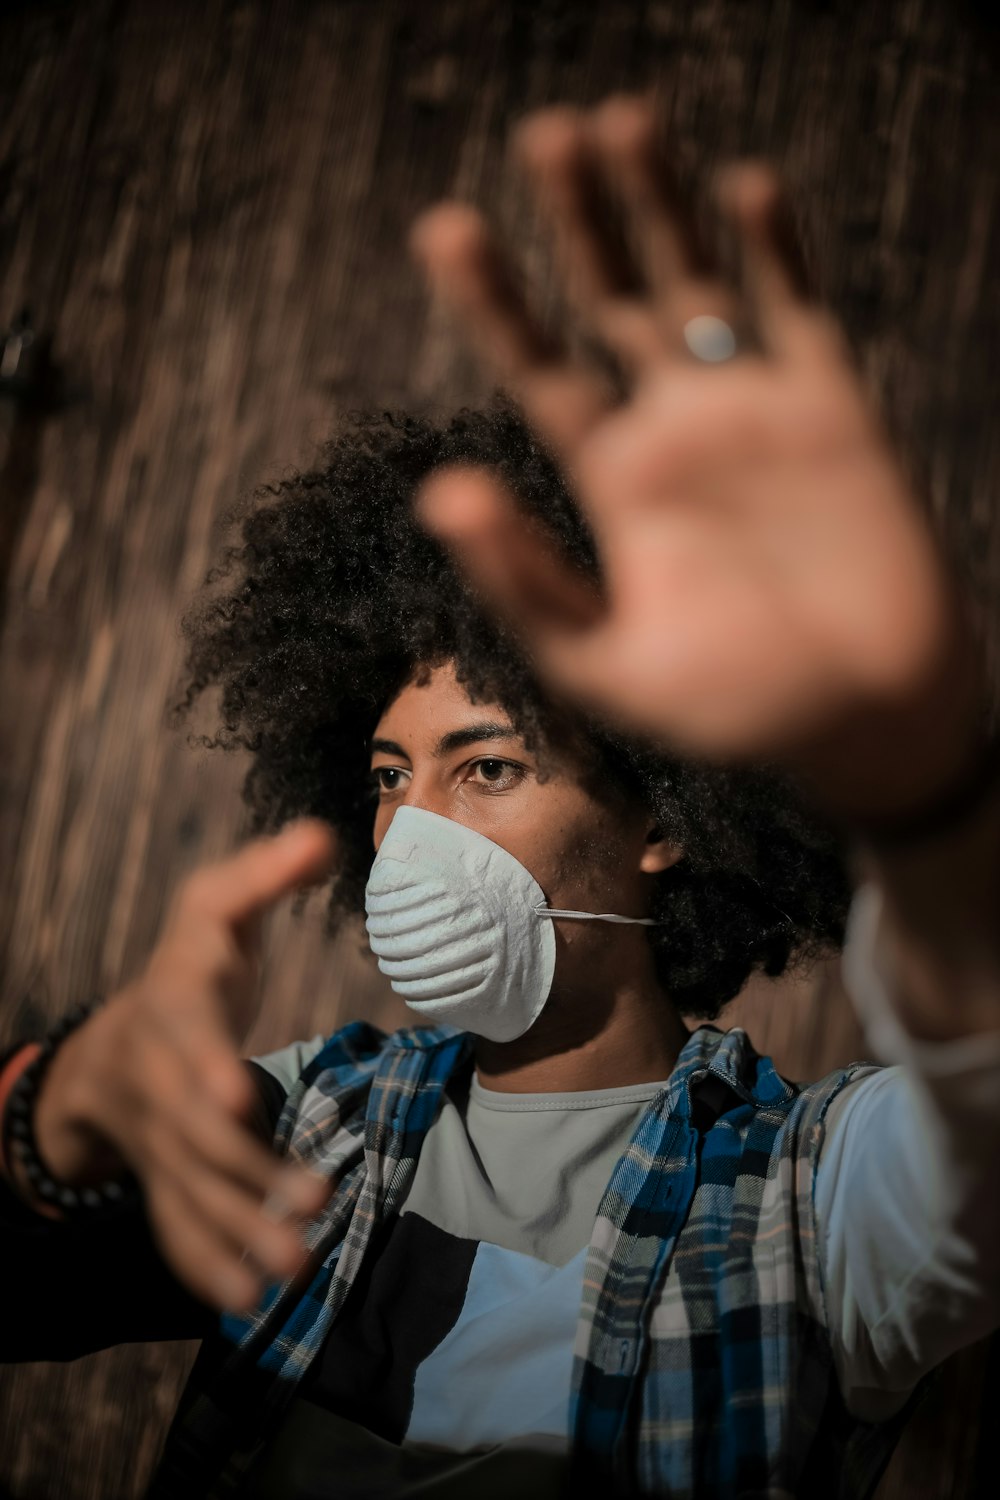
column 702, row 1366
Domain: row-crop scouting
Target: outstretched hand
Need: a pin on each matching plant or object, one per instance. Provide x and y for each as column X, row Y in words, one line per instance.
column 769, row 583
column 154, row 1082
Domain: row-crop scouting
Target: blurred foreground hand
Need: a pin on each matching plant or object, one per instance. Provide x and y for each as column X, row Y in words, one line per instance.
column 770, row 587
column 153, row 1082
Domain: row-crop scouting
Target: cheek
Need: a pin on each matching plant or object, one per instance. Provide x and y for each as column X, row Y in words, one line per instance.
column 589, row 861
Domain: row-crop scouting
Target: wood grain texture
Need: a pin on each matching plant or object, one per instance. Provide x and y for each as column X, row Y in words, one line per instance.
column 206, row 204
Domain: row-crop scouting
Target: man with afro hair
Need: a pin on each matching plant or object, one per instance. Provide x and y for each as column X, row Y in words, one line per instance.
column 594, row 714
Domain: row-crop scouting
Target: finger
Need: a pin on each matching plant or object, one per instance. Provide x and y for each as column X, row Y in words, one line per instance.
column 520, row 571
column 467, row 271
column 674, row 258
column 297, row 1192
column 623, row 130
column 175, row 1116
column 238, row 1221
column 608, row 671
column 555, row 147
column 230, row 1151
column 261, row 873
column 212, row 1266
column 775, row 265
column 454, row 244
column 223, row 1143
column 582, row 669
column 255, row 1199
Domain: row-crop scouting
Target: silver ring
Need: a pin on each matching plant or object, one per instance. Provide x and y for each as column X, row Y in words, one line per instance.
column 709, row 339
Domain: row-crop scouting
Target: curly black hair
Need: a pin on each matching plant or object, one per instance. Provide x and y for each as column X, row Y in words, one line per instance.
column 333, row 598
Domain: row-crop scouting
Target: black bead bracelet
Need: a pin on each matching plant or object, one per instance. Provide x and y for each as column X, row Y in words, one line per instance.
column 19, row 1133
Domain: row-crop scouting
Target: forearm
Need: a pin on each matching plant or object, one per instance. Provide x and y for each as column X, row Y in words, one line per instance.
column 939, row 933
column 73, row 1289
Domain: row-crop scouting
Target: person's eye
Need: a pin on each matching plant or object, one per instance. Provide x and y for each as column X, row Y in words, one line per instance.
column 494, row 774
column 385, row 780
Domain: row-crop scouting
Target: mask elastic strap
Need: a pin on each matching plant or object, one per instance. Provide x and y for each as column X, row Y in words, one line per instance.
column 541, row 910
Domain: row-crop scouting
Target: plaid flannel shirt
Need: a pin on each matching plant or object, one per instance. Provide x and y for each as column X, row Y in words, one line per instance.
column 702, row 1365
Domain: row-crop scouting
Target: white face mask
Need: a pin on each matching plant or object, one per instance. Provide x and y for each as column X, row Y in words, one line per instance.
column 460, row 927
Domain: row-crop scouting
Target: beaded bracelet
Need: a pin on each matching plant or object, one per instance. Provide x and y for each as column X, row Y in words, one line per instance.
column 19, row 1132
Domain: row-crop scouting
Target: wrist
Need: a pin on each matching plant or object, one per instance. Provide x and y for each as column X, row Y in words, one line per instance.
column 73, row 1178
column 67, row 1109
column 915, row 763
column 66, row 1130
column 939, row 955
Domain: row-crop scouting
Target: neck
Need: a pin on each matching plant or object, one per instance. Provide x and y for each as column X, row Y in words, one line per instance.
column 628, row 1032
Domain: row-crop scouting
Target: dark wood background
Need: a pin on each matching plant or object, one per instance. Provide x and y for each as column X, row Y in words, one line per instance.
column 205, row 206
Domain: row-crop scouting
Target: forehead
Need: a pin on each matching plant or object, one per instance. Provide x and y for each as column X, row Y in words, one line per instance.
column 430, row 708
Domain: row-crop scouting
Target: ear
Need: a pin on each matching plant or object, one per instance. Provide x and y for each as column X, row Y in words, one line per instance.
column 658, row 852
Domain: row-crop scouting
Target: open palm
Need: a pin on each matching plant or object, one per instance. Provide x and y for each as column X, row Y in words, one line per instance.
column 766, row 573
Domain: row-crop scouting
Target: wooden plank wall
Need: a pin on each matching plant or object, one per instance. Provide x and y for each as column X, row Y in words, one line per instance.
column 205, row 204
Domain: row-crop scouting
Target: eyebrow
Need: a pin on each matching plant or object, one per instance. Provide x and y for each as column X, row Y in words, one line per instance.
column 489, row 729
column 455, row 739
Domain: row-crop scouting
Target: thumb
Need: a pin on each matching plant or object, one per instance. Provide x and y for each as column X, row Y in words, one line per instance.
column 243, row 887
column 517, row 565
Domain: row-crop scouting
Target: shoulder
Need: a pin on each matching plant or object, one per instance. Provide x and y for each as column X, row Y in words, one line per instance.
column 854, row 1080
column 794, row 1116
column 815, row 1107
column 753, row 1076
